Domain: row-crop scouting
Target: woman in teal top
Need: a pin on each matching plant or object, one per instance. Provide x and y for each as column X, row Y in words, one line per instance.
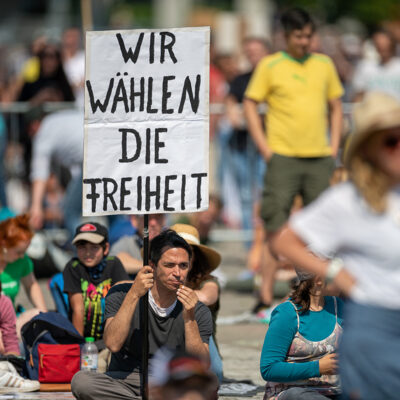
column 298, row 358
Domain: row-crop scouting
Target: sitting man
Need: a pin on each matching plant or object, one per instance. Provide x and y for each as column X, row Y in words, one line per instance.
column 177, row 320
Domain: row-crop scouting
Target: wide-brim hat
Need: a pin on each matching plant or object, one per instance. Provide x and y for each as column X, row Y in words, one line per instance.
column 376, row 112
column 191, row 235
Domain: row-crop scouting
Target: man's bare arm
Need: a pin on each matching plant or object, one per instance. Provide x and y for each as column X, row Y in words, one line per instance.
column 78, row 311
column 36, row 211
column 336, row 124
column 117, row 328
column 234, row 113
column 255, row 127
column 131, row 264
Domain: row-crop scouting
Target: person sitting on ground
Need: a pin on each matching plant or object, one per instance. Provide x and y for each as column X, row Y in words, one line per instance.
column 298, row 358
column 8, row 331
column 16, row 267
column 10, row 380
column 88, row 278
column 177, row 320
column 204, row 261
column 181, row 376
column 128, row 248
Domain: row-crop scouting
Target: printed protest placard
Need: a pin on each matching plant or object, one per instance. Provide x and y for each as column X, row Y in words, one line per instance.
column 146, row 121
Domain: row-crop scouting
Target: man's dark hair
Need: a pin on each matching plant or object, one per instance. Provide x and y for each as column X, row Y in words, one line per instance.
column 388, row 34
column 296, row 18
column 264, row 42
column 166, row 240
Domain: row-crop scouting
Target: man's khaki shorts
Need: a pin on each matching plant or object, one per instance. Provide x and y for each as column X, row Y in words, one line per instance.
column 287, row 177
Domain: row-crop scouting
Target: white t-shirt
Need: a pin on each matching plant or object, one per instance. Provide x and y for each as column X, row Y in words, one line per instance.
column 60, row 137
column 371, row 75
column 74, row 68
column 160, row 311
column 340, row 224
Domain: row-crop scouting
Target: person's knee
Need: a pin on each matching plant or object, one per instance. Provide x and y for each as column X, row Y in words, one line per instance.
column 298, row 393
column 80, row 385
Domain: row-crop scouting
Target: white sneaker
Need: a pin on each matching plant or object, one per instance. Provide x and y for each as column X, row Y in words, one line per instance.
column 11, row 383
column 8, row 367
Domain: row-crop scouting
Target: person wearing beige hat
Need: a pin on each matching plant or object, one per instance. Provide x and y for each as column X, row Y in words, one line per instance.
column 204, row 261
column 353, row 230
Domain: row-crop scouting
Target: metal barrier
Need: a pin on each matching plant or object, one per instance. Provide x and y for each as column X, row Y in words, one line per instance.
column 14, row 111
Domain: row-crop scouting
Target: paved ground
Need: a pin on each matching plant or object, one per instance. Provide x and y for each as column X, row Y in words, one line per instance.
column 240, row 342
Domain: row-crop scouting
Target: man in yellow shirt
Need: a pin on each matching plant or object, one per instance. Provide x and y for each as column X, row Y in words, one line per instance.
column 302, row 125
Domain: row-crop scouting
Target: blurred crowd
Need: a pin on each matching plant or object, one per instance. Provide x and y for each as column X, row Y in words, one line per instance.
column 41, row 148
column 51, row 71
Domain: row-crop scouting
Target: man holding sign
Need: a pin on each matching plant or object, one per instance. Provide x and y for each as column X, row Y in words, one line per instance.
column 146, row 152
column 177, row 320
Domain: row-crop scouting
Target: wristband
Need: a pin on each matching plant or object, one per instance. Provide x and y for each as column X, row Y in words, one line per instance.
column 334, row 267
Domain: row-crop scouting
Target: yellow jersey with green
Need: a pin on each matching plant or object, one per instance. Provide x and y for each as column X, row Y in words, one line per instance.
column 297, row 94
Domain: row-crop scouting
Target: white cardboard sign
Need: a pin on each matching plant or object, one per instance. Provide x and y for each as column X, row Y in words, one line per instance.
column 146, row 121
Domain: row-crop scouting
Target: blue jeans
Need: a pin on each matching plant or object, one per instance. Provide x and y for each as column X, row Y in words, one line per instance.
column 216, row 361
column 247, row 168
column 299, row 393
column 369, row 351
column 244, row 167
column 73, row 204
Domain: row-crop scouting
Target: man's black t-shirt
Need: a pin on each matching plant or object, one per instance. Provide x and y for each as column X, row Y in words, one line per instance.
column 94, row 290
column 163, row 331
column 238, row 86
column 237, row 89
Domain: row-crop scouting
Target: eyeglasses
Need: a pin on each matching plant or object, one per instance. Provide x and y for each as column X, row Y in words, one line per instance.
column 391, row 142
column 49, row 55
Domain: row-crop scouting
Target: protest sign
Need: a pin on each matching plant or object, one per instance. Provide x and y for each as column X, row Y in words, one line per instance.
column 146, row 121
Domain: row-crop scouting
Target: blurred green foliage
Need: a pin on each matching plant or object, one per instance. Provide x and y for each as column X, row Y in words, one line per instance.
column 370, row 12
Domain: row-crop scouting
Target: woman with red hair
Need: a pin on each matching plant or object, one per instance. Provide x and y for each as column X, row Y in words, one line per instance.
column 16, row 267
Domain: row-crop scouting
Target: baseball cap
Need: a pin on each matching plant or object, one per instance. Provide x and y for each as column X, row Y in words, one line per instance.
column 92, row 232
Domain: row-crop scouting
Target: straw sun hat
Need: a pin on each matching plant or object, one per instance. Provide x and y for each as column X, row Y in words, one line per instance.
column 377, row 111
column 191, row 235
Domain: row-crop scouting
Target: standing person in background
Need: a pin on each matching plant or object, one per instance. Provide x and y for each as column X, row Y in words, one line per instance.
column 246, row 163
column 59, row 137
column 16, row 267
column 52, row 83
column 298, row 87
column 51, row 86
column 354, row 228
column 382, row 74
column 227, row 63
column 74, row 62
column 205, row 260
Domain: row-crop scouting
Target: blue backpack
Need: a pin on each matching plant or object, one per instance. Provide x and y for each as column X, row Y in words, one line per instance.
column 56, row 285
column 50, row 328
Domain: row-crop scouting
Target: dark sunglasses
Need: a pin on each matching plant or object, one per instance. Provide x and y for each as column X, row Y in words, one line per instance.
column 391, row 142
